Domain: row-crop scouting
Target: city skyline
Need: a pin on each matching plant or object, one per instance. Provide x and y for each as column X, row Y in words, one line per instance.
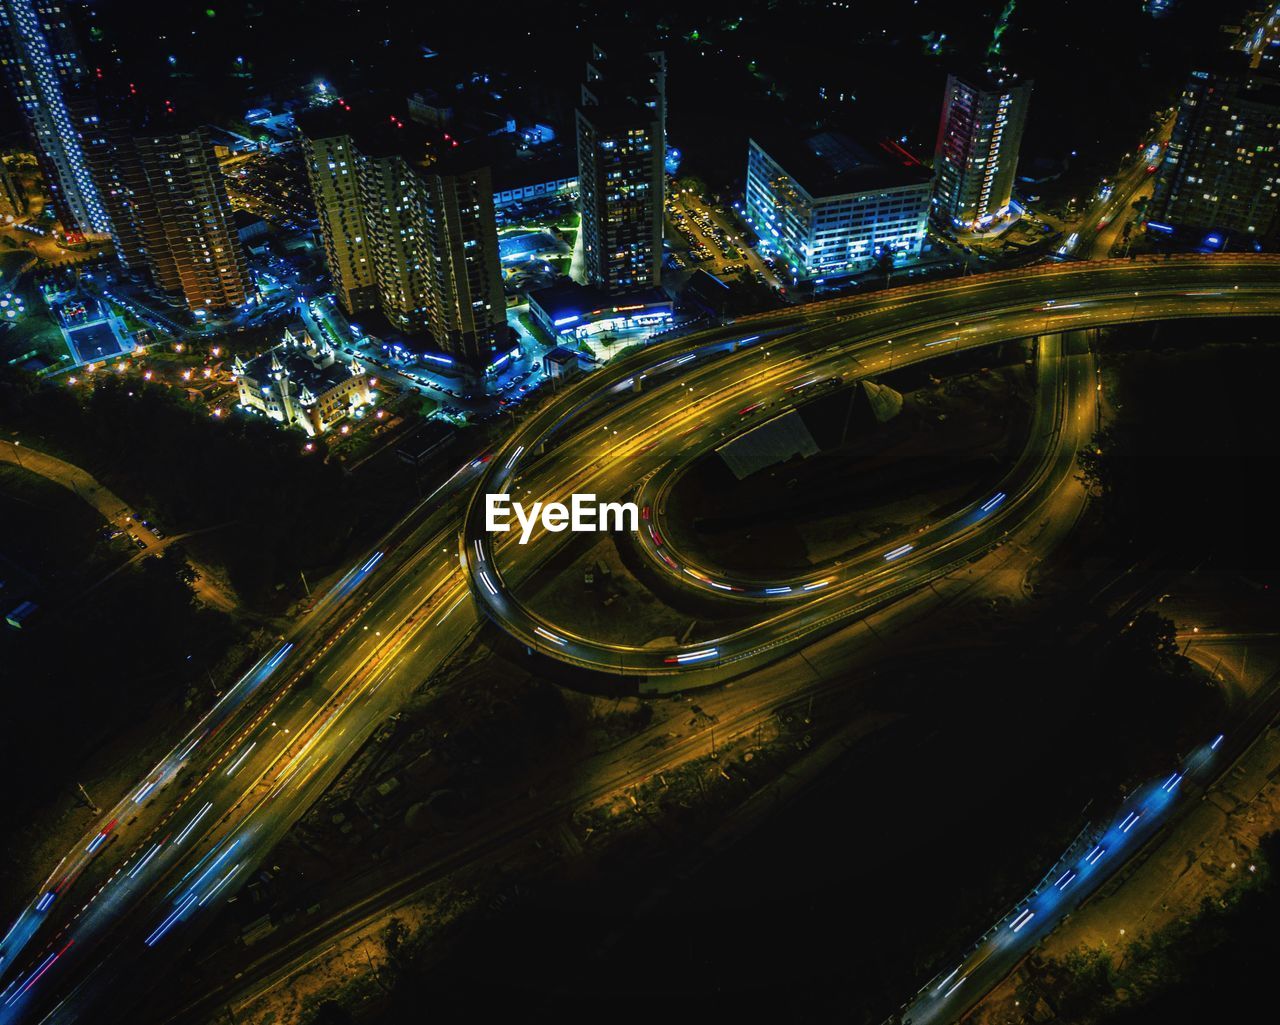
column 770, row 498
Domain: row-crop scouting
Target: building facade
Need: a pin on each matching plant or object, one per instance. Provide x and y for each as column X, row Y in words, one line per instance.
column 301, row 383
column 829, row 207
column 621, row 132
column 157, row 191
column 580, row 311
column 42, row 64
column 410, row 230
column 1221, row 171
column 976, row 157
column 467, row 310
column 333, row 172
column 522, row 179
column 185, row 221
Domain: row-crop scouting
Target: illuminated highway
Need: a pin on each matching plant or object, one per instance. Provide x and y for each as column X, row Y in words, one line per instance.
column 194, row 828
column 124, row 902
column 1090, row 861
column 720, row 387
column 1052, row 401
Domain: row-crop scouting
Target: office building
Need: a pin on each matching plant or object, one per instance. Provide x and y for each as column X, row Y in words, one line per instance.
column 581, row 311
column 1221, row 172
column 301, row 383
column 409, row 229
column 621, row 130
column 43, row 67
column 976, row 157
column 829, row 207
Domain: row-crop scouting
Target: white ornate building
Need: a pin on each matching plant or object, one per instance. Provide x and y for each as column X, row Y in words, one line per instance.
column 301, row 382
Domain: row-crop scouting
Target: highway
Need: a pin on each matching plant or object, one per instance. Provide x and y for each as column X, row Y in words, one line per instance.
column 1097, row 853
column 123, row 903
column 211, row 809
column 714, row 389
column 1054, row 397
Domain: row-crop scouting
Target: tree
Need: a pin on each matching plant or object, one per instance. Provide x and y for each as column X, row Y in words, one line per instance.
column 394, row 936
column 884, row 264
column 1150, row 644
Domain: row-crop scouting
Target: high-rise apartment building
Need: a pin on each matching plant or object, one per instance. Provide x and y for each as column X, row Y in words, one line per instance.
column 171, row 218
column 621, row 128
column 409, row 229
column 976, row 156
column 184, row 219
column 151, row 182
column 43, row 68
column 464, row 278
column 1221, row 172
column 334, row 173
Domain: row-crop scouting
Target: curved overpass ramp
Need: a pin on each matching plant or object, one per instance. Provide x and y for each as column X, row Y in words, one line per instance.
column 611, row 430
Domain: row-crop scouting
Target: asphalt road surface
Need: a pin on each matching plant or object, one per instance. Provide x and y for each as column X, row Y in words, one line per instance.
column 591, row 441
column 122, row 904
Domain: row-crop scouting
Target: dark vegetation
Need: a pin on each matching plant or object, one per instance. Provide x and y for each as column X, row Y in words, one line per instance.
column 776, row 517
column 134, row 648
column 851, row 896
column 107, row 647
column 266, row 511
column 1185, row 467
column 107, row 653
column 1213, row 966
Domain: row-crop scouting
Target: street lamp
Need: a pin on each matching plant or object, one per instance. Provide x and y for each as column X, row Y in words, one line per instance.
column 17, row 452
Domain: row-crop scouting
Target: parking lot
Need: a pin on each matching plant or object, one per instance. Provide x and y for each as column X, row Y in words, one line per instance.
column 714, row 243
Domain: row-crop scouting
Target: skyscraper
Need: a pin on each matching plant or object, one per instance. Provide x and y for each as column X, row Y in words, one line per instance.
column 149, row 180
column 1221, row 172
column 976, row 156
column 42, row 65
column 409, row 229
column 163, row 191
column 334, row 173
column 468, row 309
column 184, row 221
column 621, row 126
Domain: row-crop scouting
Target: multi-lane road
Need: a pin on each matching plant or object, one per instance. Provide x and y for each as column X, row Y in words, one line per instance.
column 124, row 902
column 194, row 827
column 690, row 397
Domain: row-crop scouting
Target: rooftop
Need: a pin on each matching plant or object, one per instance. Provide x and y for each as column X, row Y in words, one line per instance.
column 568, row 298
column 306, row 364
column 390, row 132
column 831, row 164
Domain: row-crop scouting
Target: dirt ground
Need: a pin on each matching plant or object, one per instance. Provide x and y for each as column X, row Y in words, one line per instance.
column 952, row 439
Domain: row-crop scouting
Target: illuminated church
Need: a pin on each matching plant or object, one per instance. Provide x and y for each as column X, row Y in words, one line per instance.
column 302, row 383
